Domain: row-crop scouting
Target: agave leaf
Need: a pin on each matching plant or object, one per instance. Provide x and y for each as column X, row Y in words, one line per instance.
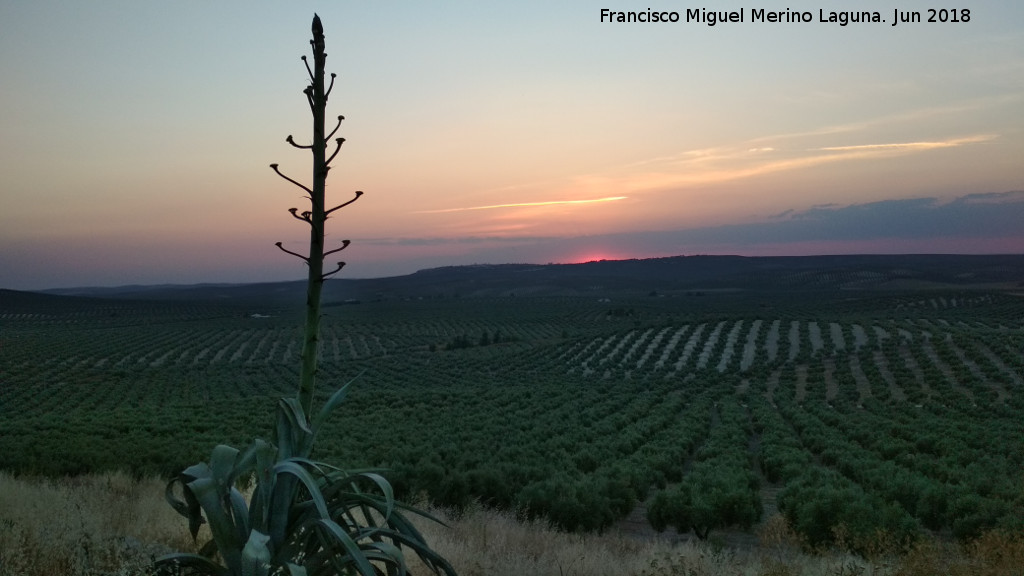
column 399, row 525
column 432, row 559
column 265, row 455
column 259, row 456
column 420, row 512
column 195, row 471
column 332, row 403
column 246, row 461
column 283, row 506
column 256, row 555
column 313, row 464
column 346, row 497
column 222, row 526
column 303, row 475
column 385, row 487
column 193, row 562
column 209, row 550
column 189, row 508
column 294, row 437
column 179, row 505
column 239, row 514
column 280, row 499
column 403, row 532
column 391, row 554
column 222, row 464
column 332, row 535
column 351, row 502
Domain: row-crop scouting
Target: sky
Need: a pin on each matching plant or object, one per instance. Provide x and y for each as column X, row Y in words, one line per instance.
column 136, row 136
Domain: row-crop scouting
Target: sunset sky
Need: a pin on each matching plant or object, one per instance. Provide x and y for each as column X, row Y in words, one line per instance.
column 136, row 136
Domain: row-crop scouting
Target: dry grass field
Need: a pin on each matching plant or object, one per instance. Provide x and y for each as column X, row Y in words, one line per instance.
column 110, row 524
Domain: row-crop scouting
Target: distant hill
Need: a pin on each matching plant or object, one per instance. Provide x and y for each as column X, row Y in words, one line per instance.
column 678, row 274
column 19, row 302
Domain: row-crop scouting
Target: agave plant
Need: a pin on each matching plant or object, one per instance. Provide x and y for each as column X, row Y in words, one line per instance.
column 303, row 517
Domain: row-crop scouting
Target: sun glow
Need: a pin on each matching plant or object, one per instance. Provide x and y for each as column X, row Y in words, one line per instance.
column 596, row 256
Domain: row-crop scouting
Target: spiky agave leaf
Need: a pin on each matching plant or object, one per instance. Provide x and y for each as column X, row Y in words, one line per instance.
column 361, row 524
column 304, row 517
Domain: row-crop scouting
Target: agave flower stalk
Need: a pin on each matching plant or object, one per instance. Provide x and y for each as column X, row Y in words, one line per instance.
column 305, row 518
column 316, row 217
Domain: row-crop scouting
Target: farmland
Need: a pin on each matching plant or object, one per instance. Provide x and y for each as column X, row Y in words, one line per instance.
column 849, row 411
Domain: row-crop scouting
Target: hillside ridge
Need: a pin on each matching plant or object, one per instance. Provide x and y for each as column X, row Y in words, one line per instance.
column 666, row 275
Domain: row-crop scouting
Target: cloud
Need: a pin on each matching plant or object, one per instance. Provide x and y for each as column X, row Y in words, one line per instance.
column 911, row 146
column 524, row 204
column 992, row 198
column 971, row 216
column 984, row 222
column 460, row 240
column 751, row 159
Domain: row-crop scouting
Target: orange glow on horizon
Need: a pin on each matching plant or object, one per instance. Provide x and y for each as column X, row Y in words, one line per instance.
column 595, row 256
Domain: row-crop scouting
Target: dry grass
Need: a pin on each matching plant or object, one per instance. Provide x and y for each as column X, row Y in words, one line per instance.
column 111, row 524
column 102, row 524
column 484, row 542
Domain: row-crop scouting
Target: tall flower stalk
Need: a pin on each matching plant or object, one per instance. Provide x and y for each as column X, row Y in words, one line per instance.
column 304, row 517
column 316, row 217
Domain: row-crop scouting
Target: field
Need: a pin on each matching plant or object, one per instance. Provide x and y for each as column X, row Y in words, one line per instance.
column 862, row 417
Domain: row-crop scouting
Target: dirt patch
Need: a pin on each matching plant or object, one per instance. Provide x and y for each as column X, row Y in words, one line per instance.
column 883, row 368
column 814, row 333
column 831, row 388
column 750, row 348
column 863, row 384
column 1001, row 394
column 881, row 334
column 242, row 347
column 794, row 339
column 590, row 359
column 860, row 337
column 671, row 346
column 998, row 363
column 290, row 353
column 801, row 382
column 772, row 343
column 619, row 347
column 709, row 344
column 691, row 343
column 911, row 364
column 652, row 347
column 946, row 371
column 160, row 361
column 636, row 346
column 836, row 332
column 730, row 346
column 202, row 354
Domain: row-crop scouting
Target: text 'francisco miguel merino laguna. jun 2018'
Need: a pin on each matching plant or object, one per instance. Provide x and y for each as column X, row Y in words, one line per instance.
column 787, row 16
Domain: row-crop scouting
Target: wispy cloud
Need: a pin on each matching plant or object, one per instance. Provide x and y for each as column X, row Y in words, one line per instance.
column 755, row 158
column 523, row 205
column 988, row 222
column 913, row 116
column 911, row 146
